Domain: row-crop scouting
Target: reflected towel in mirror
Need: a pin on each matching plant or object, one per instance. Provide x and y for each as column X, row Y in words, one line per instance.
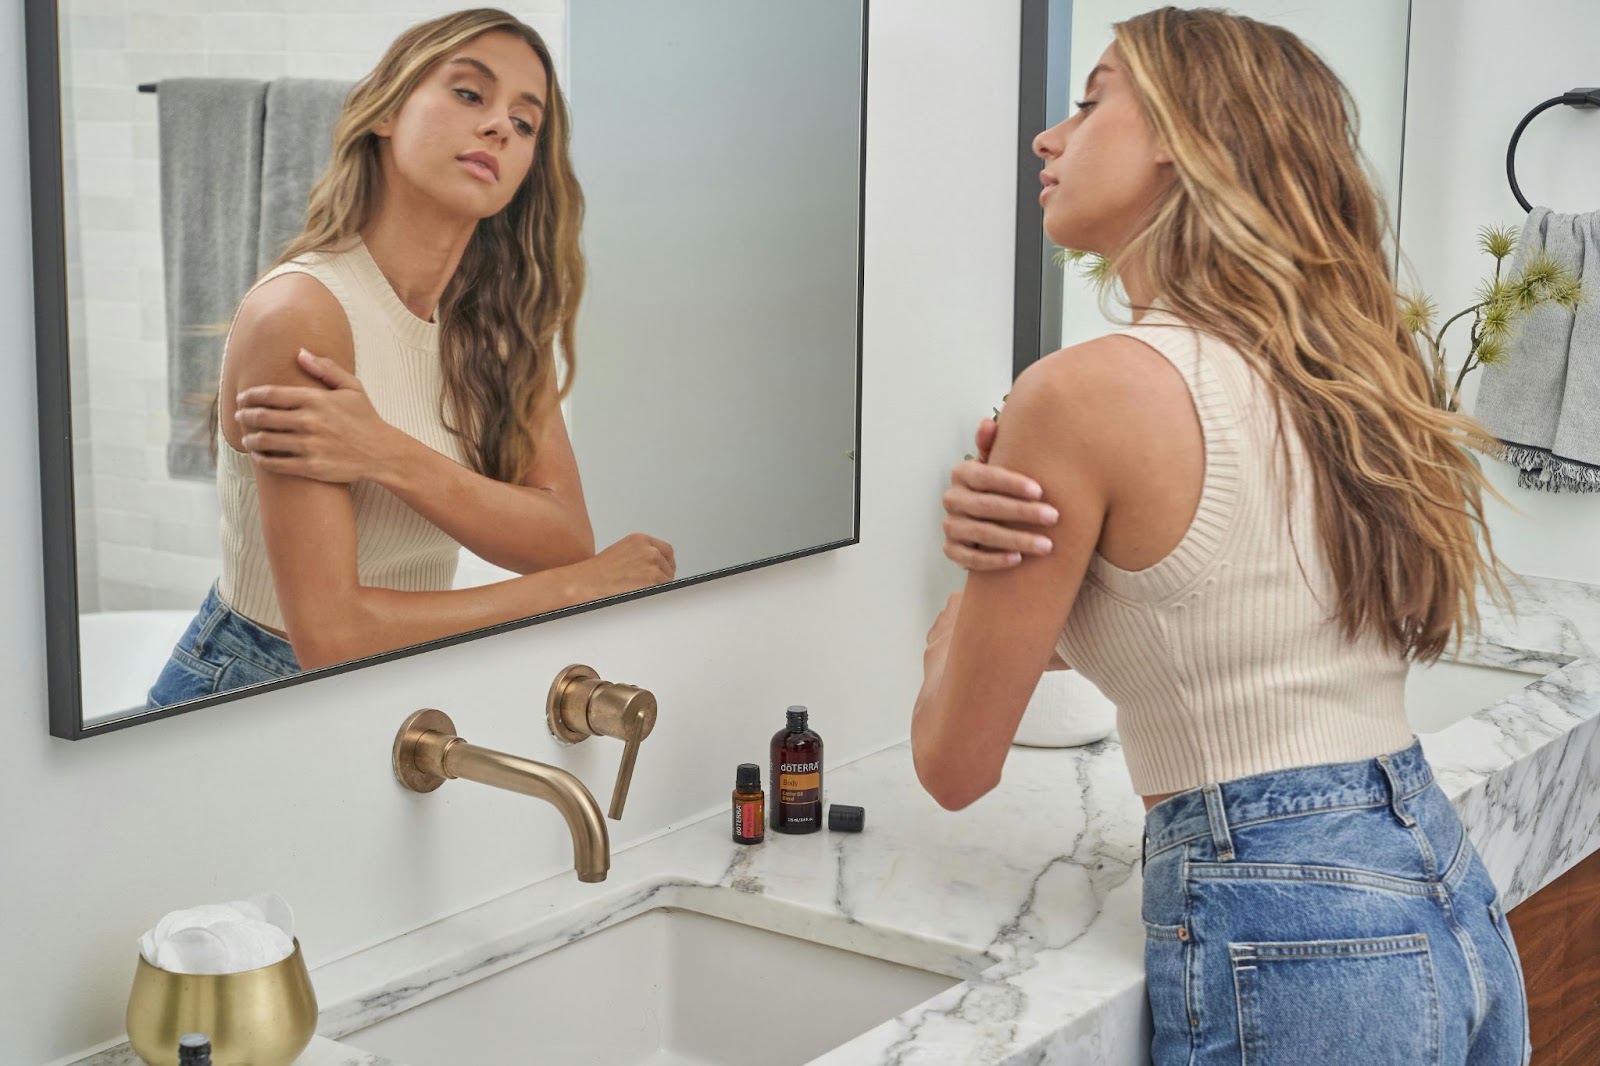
column 209, row 134
column 297, row 143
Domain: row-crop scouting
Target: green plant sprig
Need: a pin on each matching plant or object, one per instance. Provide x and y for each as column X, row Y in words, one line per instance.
column 1500, row 302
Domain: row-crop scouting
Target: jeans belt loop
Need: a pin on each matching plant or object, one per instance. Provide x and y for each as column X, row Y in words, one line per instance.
column 1219, row 822
column 1396, row 803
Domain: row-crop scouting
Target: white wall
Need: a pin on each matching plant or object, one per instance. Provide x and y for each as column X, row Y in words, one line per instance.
column 1478, row 66
column 292, row 790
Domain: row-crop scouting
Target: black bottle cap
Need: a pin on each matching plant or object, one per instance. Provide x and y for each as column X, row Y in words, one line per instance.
column 845, row 818
column 797, row 718
column 194, row 1049
column 748, row 776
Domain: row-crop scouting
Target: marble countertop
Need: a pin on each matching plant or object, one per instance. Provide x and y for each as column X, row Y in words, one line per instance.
column 1031, row 896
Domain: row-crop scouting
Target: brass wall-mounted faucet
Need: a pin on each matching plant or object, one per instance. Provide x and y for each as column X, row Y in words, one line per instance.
column 427, row 752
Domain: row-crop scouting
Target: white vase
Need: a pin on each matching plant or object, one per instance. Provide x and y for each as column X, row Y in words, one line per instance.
column 1066, row 711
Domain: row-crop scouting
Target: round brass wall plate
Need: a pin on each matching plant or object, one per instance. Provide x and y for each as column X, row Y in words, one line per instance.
column 412, row 729
column 558, row 692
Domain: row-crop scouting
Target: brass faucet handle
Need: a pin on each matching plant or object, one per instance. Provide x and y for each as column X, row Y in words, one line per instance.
column 581, row 705
column 639, row 723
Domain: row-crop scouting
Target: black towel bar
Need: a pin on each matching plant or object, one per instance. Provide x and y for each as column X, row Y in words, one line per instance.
column 1572, row 98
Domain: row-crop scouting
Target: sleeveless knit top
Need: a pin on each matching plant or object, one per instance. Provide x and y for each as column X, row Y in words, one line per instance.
column 1225, row 658
column 397, row 360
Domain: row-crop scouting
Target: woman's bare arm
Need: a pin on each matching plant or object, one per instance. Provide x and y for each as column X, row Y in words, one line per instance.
column 309, row 525
column 540, row 523
column 1067, row 419
column 329, row 431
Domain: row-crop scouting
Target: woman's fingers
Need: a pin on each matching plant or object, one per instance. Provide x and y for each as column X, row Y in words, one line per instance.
column 963, row 502
column 994, row 537
column 979, row 560
column 668, row 556
column 982, row 477
column 270, row 442
column 271, row 418
column 281, row 396
column 985, row 438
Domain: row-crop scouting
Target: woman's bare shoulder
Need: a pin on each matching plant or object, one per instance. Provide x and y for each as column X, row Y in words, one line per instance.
column 274, row 321
column 279, row 317
column 1110, row 385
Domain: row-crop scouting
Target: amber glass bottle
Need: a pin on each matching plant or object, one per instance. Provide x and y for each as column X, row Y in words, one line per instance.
column 796, row 776
column 749, row 817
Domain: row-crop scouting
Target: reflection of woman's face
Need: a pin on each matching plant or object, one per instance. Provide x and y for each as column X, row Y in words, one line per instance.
column 465, row 136
column 1103, row 167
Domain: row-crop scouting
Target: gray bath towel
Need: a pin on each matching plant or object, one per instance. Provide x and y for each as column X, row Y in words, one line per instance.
column 1543, row 401
column 297, row 144
column 210, row 151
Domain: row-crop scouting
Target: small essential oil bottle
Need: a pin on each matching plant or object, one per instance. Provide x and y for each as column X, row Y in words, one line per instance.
column 194, row 1049
column 796, row 776
column 749, row 805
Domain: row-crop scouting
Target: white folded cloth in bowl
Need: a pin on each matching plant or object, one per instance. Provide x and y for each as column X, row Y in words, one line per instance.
column 213, row 938
column 1066, row 711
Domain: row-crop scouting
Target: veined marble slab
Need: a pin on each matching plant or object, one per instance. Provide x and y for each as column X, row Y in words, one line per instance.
column 1031, row 896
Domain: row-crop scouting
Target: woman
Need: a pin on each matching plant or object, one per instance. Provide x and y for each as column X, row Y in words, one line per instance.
column 390, row 387
column 1262, row 522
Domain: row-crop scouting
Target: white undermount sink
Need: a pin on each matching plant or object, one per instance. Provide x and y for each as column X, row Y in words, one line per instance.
column 1444, row 693
column 667, row 987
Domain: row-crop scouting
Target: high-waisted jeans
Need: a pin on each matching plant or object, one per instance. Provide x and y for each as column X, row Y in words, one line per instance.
column 221, row 650
column 1326, row 914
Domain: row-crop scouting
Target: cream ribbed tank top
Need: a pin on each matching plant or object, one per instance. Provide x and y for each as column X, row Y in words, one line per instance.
column 397, row 360
column 1225, row 659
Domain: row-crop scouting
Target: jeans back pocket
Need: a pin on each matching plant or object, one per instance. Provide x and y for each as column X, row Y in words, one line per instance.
column 1372, row 1001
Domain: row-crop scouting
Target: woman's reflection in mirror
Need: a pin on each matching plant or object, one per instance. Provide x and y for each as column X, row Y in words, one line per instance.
column 390, row 388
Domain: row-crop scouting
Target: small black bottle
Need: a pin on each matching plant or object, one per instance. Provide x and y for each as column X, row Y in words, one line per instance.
column 194, row 1049
column 796, row 776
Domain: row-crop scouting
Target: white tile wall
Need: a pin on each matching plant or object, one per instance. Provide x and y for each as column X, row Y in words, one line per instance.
column 146, row 540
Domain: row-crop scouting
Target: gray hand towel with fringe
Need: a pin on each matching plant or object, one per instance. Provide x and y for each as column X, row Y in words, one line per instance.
column 1542, row 401
column 209, row 137
column 296, row 147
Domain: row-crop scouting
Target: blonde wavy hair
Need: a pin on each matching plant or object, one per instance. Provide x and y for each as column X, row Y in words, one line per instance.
column 1271, row 237
column 510, row 310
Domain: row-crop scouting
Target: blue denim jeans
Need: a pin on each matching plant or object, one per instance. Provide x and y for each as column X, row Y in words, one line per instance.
column 1334, row 913
column 221, row 650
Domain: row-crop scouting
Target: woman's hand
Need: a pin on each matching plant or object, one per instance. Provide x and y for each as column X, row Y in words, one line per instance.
column 635, row 562
column 981, row 498
column 329, row 434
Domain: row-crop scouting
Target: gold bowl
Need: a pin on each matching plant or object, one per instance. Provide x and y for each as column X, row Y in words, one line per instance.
column 261, row 1017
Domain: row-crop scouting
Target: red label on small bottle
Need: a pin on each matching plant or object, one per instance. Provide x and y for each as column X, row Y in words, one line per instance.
column 747, row 820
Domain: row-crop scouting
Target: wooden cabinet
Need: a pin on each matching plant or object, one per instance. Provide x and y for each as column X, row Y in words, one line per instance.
column 1557, row 931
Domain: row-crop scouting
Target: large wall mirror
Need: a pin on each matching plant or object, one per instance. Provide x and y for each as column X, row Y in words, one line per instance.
column 1366, row 42
column 179, row 149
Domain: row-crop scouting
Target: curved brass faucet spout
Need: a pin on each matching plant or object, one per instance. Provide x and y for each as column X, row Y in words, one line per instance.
column 427, row 752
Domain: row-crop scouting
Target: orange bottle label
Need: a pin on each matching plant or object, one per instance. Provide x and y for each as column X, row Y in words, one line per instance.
column 799, row 788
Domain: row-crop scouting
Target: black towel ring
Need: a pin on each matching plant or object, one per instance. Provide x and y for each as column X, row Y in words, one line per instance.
column 1572, row 98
